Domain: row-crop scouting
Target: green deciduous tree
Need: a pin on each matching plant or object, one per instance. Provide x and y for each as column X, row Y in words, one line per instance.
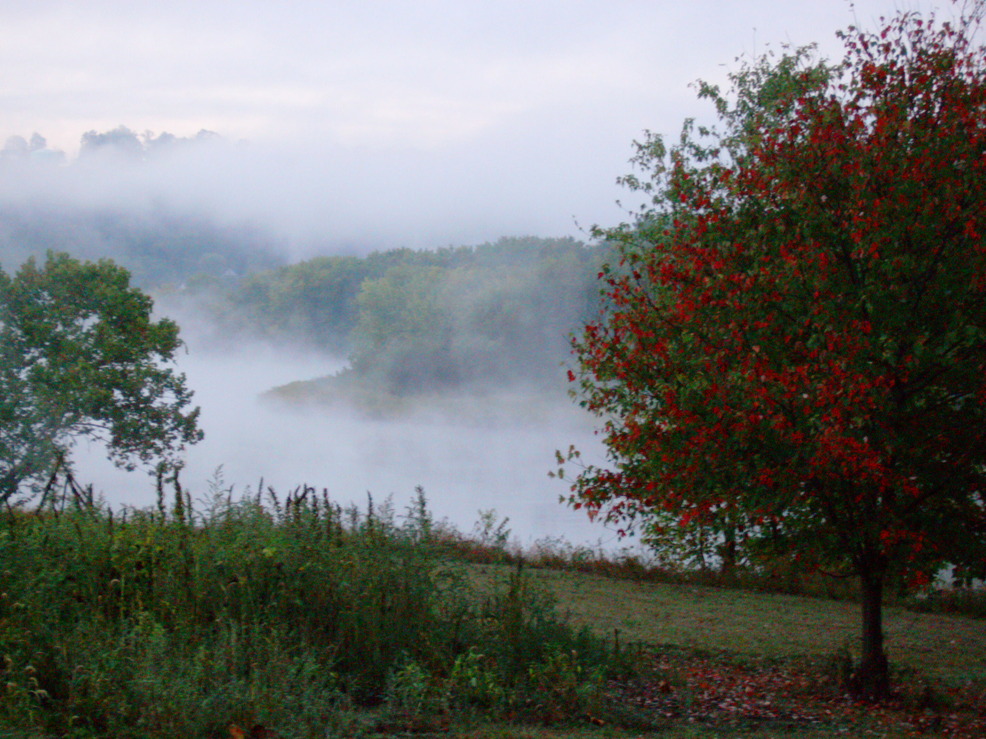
column 794, row 355
column 80, row 356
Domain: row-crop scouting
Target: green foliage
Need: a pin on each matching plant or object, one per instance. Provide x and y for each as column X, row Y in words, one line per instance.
column 403, row 336
column 80, row 356
column 418, row 320
column 413, row 697
column 286, row 615
column 313, row 301
column 490, row 531
column 499, row 314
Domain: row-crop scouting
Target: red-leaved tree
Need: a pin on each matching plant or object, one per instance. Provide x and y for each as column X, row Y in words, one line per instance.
column 794, row 354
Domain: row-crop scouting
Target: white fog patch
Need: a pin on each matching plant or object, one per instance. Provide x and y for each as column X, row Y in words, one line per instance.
column 464, row 465
column 338, row 130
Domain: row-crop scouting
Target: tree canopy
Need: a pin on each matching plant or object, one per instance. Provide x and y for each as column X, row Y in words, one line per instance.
column 794, row 352
column 493, row 314
column 81, row 356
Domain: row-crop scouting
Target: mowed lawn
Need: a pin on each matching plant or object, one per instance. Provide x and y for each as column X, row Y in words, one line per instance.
column 763, row 625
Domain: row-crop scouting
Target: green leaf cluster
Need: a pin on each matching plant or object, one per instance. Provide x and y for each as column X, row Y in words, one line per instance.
column 80, row 356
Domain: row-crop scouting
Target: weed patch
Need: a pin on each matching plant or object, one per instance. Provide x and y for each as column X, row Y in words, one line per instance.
column 275, row 612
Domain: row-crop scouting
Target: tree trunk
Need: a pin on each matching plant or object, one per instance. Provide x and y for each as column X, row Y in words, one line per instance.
column 727, row 553
column 871, row 678
column 9, row 483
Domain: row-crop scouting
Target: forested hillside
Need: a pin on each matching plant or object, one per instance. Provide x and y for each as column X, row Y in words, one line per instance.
column 408, row 320
column 419, row 320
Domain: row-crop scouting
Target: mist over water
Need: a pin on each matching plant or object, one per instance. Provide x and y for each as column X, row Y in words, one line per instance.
column 139, row 212
column 467, row 464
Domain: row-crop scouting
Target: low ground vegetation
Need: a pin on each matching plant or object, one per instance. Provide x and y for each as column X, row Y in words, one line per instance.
column 287, row 613
column 290, row 616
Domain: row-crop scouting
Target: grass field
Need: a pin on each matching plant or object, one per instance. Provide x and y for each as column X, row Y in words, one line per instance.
column 733, row 649
column 948, row 648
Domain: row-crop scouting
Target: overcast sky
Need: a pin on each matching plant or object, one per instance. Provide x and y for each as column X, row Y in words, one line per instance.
column 380, row 123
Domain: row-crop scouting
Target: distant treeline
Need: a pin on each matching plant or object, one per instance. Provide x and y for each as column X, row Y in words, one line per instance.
column 103, row 204
column 156, row 245
column 415, row 320
column 408, row 320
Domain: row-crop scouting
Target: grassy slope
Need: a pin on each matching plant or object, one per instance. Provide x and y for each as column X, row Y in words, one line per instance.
column 739, row 624
column 949, row 648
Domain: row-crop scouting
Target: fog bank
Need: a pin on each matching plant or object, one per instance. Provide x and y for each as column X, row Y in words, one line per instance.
column 465, row 465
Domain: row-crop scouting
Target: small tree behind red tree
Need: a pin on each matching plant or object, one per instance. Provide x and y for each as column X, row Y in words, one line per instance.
column 794, row 354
